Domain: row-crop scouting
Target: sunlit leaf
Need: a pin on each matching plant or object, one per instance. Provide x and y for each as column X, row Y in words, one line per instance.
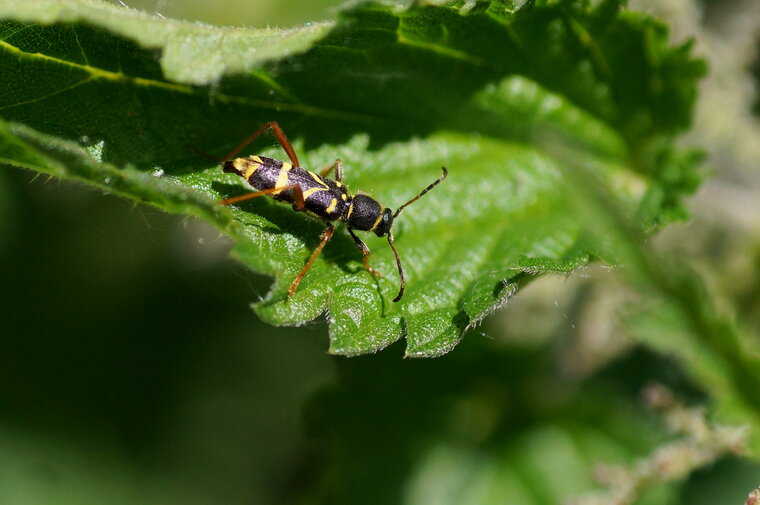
column 115, row 98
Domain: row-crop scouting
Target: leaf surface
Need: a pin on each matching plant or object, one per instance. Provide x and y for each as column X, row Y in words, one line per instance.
column 499, row 94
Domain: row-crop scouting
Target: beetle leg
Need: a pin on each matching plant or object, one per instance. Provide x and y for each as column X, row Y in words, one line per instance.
column 297, row 195
column 278, row 134
column 337, row 166
column 326, row 236
column 365, row 251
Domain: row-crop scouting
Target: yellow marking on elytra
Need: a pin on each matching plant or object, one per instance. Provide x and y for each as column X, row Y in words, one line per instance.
column 377, row 221
column 317, row 178
column 311, row 191
column 344, row 196
column 282, row 177
column 243, row 166
column 248, row 172
column 350, row 209
column 247, row 166
column 331, row 207
column 339, row 184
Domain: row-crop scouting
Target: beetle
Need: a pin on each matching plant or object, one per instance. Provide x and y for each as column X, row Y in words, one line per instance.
column 317, row 195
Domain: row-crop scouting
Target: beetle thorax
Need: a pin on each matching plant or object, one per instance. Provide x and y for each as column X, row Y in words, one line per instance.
column 367, row 214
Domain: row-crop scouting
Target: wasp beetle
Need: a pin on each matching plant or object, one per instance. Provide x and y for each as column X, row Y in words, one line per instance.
column 318, row 196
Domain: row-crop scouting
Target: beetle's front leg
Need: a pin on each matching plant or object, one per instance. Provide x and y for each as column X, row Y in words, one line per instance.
column 365, row 251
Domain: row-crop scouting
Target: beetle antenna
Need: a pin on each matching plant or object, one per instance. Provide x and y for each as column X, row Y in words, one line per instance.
column 390, row 235
column 438, row 181
column 400, row 269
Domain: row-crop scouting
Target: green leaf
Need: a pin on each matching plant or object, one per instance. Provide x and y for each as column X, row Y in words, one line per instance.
column 191, row 53
column 493, row 92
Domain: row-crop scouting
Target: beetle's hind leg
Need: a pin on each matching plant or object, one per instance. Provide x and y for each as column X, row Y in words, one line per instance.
column 282, row 139
column 298, row 199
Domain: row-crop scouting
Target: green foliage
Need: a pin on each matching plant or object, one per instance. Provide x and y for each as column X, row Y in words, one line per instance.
column 462, row 437
column 512, row 99
column 557, row 122
column 675, row 315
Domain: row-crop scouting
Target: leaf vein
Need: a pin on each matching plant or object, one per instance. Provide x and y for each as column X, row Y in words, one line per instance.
column 444, row 51
column 48, row 95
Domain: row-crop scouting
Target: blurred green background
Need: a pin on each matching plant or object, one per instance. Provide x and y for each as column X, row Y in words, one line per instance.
column 133, row 371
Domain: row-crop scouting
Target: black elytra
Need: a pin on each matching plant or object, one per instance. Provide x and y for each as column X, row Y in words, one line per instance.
column 318, row 196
